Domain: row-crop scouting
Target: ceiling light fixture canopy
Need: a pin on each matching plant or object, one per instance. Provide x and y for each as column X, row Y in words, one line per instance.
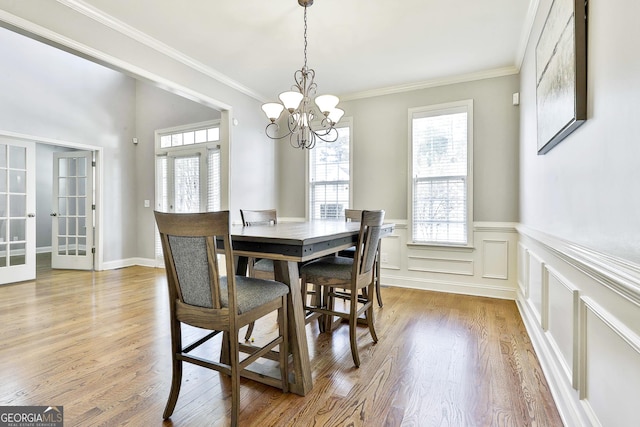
column 303, row 127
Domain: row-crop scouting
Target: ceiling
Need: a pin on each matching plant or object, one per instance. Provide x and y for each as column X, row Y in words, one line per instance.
column 356, row 47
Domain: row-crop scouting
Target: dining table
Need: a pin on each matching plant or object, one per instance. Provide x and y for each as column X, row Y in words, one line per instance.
column 288, row 244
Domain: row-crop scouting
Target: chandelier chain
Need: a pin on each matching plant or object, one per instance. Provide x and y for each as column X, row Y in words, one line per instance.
column 303, row 129
column 305, row 37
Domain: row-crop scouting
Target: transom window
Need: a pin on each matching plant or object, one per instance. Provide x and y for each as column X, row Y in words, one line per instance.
column 441, row 157
column 190, row 137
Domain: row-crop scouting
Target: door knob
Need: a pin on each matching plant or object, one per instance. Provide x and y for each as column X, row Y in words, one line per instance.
column 53, row 214
column 31, row 215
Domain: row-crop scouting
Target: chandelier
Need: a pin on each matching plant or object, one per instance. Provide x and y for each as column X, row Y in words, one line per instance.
column 303, row 127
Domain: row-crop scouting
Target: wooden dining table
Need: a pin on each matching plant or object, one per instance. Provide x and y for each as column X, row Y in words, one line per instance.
column 287, row 244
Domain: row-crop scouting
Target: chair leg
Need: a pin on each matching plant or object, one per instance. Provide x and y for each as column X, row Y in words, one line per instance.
column 370, row 319
column 176, row 365
column 377, row 267
column 247, row 336
column 176, row 380
column 353, row 322
column 235, row 379
column 329, row 304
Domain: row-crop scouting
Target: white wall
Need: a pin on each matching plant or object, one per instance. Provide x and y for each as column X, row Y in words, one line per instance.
column 583, row 189
column 579, row 250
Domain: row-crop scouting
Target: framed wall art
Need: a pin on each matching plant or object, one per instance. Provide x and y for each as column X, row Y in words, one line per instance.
column 561, row 73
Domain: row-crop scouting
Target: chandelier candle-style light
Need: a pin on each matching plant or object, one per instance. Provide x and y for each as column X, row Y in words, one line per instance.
column 303, row 128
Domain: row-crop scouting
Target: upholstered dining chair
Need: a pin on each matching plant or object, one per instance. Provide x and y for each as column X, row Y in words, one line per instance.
column 260, row 268
column 204, row 292
column 353, row 215
column 351, row 279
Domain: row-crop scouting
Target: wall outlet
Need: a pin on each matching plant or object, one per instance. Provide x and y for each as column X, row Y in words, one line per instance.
column 147, row 203
column 384, row 257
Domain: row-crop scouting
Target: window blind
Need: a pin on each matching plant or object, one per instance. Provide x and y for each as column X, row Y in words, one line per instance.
column 329, row 177
column 440, row 165
column 213, row 180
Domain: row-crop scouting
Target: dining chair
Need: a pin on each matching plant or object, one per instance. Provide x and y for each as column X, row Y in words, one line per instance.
column 261, row 268
column 350, row 279
column 204, row 292
column 353, row 215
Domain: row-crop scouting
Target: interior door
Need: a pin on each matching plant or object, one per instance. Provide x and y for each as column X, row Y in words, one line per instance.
column 17, row 211
column 73, row 219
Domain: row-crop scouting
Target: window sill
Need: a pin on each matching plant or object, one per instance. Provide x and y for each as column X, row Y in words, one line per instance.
column 442, row 247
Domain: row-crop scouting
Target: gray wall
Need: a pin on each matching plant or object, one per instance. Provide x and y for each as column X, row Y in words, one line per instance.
column 380, row 151
column 585, row 189
column 157, row 109
column 50, row 93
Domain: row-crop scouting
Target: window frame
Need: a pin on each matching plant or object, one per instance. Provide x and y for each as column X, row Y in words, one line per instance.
column 200, row 150
column 345, row 122
column 436, row 110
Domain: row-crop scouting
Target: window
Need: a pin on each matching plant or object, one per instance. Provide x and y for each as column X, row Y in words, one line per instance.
column 330, row 176
column 188, row 171
column 440, row 170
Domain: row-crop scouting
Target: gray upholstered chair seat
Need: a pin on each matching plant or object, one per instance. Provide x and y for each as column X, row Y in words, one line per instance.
column 252, row 292
column 335, row 267
column 265, row 265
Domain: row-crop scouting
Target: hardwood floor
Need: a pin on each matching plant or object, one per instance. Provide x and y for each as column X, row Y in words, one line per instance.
column 97, row 343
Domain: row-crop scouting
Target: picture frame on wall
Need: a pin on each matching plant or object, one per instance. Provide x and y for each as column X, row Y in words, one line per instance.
column 561, row 73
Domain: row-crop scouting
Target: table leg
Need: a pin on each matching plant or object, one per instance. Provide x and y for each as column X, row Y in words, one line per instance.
column 287, row 272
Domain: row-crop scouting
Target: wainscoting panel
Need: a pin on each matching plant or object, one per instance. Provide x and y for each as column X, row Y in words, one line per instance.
column 441, row 265
column 608, row 387
column 487, row 268
column 390, row 253
column 495, row 257
column 562, row 323
column 523, row 270
column 536, row 275
column 582, row 312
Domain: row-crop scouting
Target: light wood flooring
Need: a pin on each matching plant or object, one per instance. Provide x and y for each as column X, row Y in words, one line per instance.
column 97, row 343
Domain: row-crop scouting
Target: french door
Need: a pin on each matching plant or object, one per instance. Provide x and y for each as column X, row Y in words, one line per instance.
column 73, row 220
column 17, row 211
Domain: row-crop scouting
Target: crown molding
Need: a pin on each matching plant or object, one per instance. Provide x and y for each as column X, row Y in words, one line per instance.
column 47, row 36
column 481, row 75
column 527, row 29
column 127, row 30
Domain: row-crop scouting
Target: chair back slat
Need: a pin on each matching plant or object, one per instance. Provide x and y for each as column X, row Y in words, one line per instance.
column 352, row 215
column 368, row 240
column 259, row 217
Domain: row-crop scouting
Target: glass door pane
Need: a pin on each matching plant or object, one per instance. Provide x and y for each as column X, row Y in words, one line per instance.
column 72, row 226
column 17, row 211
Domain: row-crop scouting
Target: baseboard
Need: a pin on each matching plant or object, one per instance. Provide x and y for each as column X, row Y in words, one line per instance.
column 129, row 262
column 564, row 395
column 475, row 289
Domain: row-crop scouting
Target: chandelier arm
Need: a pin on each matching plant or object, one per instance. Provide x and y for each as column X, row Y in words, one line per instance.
column 322, row 136
column 266, row 131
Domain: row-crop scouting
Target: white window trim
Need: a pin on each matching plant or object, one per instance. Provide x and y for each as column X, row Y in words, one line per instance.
column 344, row 122
column 468, row 105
